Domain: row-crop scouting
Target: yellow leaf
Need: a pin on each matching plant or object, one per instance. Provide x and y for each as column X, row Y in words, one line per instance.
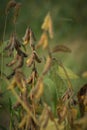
column 70, row 73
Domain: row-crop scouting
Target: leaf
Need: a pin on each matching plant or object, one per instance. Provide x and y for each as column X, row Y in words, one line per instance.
column 50, row 94
column 60, row 48
column 70, row 73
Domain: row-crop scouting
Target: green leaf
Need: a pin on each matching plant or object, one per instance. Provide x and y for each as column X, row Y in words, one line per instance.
column 70, row 73
column 50, row 94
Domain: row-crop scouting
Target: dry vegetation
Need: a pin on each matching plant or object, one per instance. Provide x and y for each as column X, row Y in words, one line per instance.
column 32, row 108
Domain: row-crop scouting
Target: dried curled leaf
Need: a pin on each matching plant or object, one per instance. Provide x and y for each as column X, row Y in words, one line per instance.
column 47, row 65
column 43, row 41
column 60, row 48
column 10, row 4
column 47, row 25
column 16, row 11
column 38, row 90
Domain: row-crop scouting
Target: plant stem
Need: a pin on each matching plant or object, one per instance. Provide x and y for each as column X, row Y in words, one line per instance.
column 2, row 58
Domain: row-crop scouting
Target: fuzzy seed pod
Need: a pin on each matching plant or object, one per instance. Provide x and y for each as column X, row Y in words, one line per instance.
column 43, row 41
column 37, row 57
column 32, row 39
column 14, row 43
column 11, row 4
column 30, row 61
column 38, row 90
column 26, row 37
column 47, row 25
column 16, row 12
column 47, row 66
column 60, row 48
column 32, row 77
column 20, row 80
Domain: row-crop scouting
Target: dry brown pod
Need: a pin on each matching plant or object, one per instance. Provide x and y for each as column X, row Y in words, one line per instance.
column 32, row 39
column 47, row 25
column 60, row 48
column 44, row 117
column 37, row 91
column 37, row 57
column 30, row 60
column 82, row 99
column 47, row 65
column 16, row 11
column 32, row 77
column 13, row 43
column 26, row 37
column 10, row 4
column 19, row 80
column 61, row 112
column 43, row 41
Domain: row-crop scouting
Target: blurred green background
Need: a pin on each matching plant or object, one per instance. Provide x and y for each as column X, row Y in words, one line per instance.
column 69, row 22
